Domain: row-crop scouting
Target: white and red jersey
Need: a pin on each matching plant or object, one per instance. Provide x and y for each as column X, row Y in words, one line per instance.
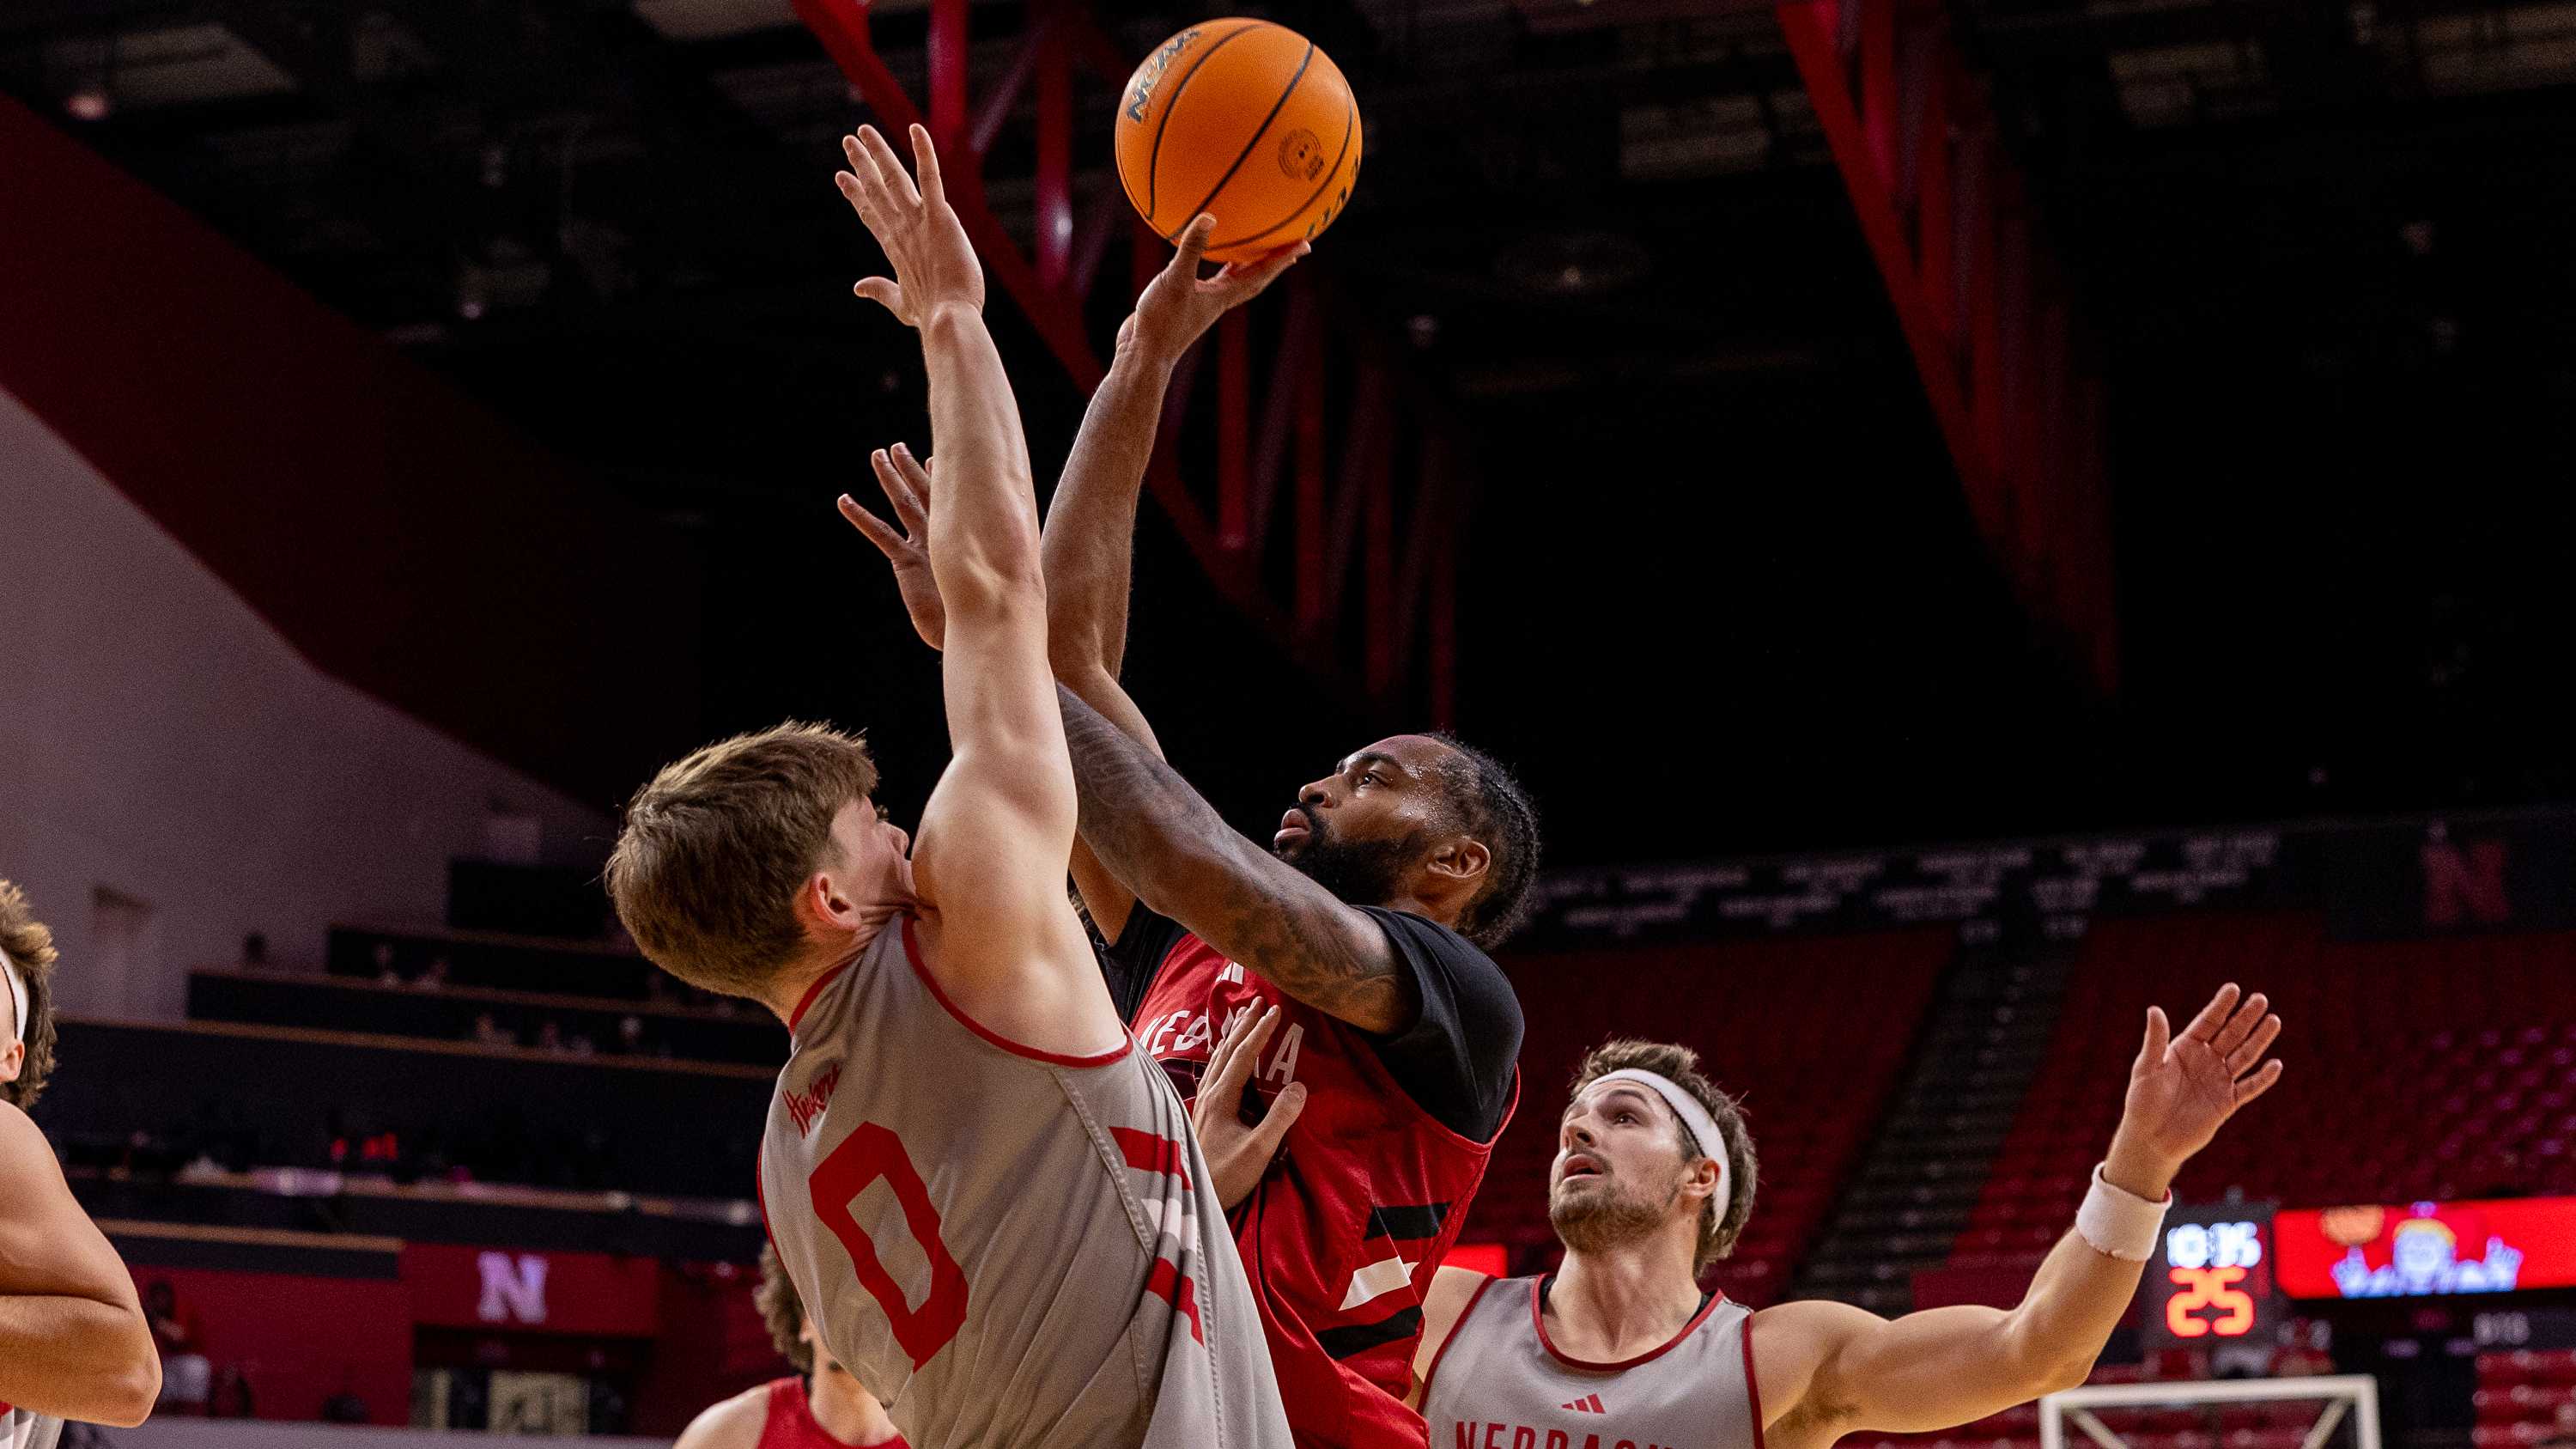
column 1499, row 1383
column 1343, row 1234
column 1014, row 1249
column 20, row 1429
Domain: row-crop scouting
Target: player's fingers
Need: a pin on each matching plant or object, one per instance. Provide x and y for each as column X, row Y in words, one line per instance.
column 2205, row 1025
column 2259, row 1083
column 1282, row 1115
column 878, row 531
column 898, row 183
column 2255, row 1044
column 925, row 159
column 1250, row 279
column 1221, row 1056
column 907, row 509
column 854, row 190
column 914, row 477
column 882, row 292
column 1251, row 1034
column 1191, row 246
column 2249, row 1015
column 863, row 169
column 2159, row 1036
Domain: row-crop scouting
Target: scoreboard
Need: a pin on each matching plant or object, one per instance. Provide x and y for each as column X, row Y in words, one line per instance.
column 2211, row 1279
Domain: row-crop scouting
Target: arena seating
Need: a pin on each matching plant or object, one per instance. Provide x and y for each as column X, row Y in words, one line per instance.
column 2521, row 1395
column 437, row 1010
column 154, row 1099
column 1811, row 1032
column 2417, row 1069
column 561, row 965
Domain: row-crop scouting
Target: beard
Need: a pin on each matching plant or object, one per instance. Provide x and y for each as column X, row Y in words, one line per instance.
column 1365, row 872
column 1608, row 1214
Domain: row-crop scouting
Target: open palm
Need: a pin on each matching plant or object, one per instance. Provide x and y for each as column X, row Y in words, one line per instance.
column 2184, row 1088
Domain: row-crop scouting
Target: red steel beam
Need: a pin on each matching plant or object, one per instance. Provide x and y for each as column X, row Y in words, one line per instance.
column 1984, row 311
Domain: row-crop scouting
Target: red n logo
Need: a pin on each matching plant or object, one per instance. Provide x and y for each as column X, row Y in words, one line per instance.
column 2473, row 878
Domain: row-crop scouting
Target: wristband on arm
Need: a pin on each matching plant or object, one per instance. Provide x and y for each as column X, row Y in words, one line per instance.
column 2118, row 1223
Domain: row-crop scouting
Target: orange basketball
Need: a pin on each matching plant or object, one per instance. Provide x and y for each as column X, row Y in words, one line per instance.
column 1244, row 120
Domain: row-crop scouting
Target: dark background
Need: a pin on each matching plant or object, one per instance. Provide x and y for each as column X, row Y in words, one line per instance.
column 1719, row 591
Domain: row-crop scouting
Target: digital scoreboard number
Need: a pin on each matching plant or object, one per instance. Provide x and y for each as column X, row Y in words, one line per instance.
column 2211, row 1280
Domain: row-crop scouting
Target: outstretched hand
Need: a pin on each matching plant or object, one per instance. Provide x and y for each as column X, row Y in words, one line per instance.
column 934, row 264
column 1238, row 1155
column 2182, row 1089
column 1179, row 306
column 906, row 541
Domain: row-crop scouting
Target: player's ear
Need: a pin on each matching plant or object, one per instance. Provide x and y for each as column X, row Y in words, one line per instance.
column 1701, row 1183
column 1463, row 858
column 13, row 1061
column 821, row 904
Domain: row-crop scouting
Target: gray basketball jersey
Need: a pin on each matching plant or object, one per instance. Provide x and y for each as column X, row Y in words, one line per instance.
column 1499, row 1384
column 1013, row 1249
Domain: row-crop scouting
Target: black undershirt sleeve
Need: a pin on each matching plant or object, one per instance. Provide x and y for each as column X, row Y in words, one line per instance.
column 1459, row 1058
column 1131, row 962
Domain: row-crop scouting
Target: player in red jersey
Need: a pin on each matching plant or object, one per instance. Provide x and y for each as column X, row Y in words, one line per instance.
column 820, row 1406
column 73, row 1340
column 1344, row 966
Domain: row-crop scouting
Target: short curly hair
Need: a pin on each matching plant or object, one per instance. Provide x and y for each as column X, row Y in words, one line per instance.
column 1720, row 1224
column 30, row 948
column 782, row 1311
column 1490, row 804
column 715, row 847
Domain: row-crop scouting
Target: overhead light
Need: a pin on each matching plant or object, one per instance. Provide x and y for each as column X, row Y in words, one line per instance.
column 95, row 98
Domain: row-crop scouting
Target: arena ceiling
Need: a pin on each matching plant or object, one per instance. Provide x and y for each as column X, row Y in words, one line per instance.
column 1723, row 594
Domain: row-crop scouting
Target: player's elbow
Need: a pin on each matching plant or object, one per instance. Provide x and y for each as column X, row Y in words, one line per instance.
column 2039, row 1363
column 2054, row 1369
column 133, row 1387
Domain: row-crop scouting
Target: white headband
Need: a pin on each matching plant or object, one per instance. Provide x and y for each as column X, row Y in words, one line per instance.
column 1702, row 1127
column 17, row 1002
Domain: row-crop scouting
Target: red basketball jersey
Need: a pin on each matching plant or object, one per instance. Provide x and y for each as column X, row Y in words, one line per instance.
column 1344, row 1232
column 791, row 1423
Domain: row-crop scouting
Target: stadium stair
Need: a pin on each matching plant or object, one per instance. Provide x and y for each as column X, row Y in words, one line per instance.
column 1920, row 1176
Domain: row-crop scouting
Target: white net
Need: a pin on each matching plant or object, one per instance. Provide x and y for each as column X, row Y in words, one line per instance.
column 2331, row 1412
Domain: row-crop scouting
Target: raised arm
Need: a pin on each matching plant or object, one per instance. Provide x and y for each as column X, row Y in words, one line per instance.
column 989, row 862
column 73, row 1340
column 1091, row 522
column 1152, row 831
column 1840, row 1369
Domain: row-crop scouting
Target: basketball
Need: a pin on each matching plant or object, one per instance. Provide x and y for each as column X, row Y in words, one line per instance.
column 1246, row 121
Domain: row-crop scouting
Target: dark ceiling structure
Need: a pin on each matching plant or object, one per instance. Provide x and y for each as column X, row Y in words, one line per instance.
column 1720, row 590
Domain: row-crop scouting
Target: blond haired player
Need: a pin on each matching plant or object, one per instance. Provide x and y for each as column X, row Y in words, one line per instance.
column 989, row 1199
column 820, row 1406
column 1654, row 1179
column 73, row 1340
